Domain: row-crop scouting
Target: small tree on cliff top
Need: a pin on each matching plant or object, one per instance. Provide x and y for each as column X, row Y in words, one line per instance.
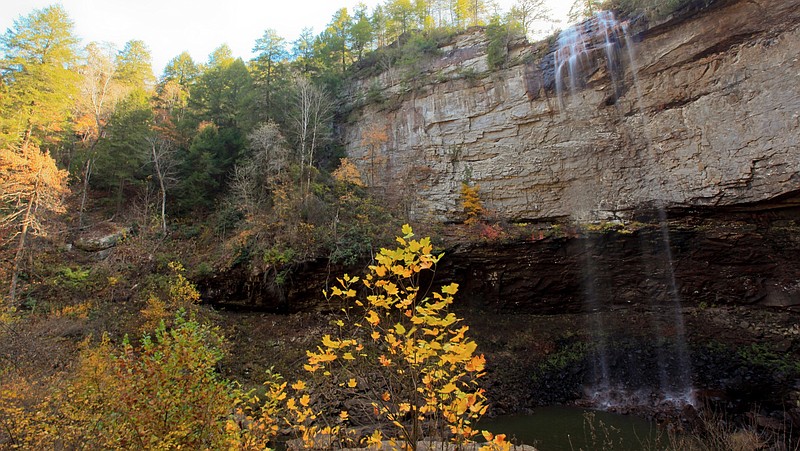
column 399, row 355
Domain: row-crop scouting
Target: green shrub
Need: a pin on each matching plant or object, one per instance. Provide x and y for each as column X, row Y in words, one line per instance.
column 77, row 278
column 497, row 49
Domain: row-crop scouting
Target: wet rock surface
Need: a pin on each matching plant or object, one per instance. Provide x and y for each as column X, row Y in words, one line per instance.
column 744, row 258
column 539, row 360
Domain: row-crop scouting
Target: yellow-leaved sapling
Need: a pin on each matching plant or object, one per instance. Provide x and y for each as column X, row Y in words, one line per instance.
column 398, row 360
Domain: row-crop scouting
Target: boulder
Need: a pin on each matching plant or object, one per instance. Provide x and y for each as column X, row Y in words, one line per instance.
column 101, row 237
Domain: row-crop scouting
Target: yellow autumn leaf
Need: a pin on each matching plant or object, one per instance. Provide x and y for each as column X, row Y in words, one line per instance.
column 352, row 383
column 314, row 358
column 407, row 231
column 375, row 439
column 328, row 343
column 373, row 318
column 450, row 289
column 386, row 396
column 299, row 385
column 305, row 400
column 391, row 289
column 476, row 364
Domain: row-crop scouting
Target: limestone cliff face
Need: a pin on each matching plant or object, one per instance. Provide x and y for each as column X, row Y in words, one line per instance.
column 714, row 120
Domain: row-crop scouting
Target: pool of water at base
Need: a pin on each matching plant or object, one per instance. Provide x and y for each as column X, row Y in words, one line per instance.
column 561, row 428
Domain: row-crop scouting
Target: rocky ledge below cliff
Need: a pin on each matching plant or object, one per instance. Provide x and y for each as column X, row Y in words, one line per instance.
column 716, row 257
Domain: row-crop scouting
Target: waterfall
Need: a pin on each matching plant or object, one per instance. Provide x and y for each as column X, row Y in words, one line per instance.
column 576, row 53
column 581, row 50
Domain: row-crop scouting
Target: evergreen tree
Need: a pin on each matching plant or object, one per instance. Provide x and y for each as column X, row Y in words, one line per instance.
column 268, row 67
column 335, row 42
column 37, row 78
column 361, row 31
column 172, row 97
column 200, row 170
column 223, row 93
column 303, row 52
column 122, row 157
column 134, row 65
column 181, row 69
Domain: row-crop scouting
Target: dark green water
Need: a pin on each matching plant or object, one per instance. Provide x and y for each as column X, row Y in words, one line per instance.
column 573, row 429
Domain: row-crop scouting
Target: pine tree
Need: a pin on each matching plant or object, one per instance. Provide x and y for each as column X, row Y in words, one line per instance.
column 38, row 54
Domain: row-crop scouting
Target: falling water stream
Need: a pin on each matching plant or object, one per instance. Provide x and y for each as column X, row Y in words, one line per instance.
column 580, row 50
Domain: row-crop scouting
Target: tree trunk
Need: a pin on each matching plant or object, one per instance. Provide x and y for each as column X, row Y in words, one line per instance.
column 20, row 252
column 160, row 176
column 87, row 172
column 26, row 139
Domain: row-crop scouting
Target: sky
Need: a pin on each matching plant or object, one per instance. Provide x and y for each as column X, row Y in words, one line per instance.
column 170, row 27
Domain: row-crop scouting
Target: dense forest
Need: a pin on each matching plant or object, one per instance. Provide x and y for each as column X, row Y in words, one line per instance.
column 208, row 166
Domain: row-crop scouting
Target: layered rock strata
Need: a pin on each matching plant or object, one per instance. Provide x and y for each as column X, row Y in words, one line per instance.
column 712, row 120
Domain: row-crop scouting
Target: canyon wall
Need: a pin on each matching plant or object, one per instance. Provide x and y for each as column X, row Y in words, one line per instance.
column 713, row 120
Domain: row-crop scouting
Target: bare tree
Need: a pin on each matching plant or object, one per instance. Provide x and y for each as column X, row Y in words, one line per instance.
column 309, row 117
column 268, row 149
column 162, row 155
column 254, row 176
column 30, row 185
column 98, row 96
column 529, row 11
column 583, row 9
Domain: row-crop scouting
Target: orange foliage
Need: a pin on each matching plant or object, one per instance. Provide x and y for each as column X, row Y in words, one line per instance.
column 471, row 202
column 347, row 172
column 373, row 138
